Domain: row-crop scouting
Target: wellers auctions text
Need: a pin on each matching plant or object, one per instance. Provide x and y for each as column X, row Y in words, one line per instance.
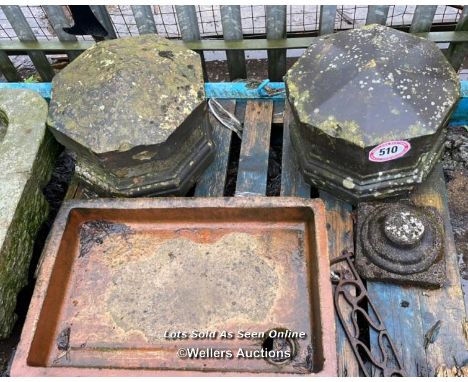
column 240, row 334
column 210, row 353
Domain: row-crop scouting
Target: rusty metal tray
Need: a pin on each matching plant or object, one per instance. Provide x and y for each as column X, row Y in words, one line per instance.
column 117, row 276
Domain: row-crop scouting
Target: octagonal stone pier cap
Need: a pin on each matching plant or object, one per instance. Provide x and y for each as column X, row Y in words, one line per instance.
column 126, row 93
column 371, row 85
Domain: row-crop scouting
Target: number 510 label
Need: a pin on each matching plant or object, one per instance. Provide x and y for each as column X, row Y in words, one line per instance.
column 389, row 151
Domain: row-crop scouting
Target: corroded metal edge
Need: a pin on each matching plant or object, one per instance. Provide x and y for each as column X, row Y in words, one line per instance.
column 20, row 366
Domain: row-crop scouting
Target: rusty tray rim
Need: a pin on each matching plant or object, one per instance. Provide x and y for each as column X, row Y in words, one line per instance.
column 20, row 367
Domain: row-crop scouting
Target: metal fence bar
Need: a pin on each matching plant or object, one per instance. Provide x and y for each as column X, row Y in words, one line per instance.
column 25, row 33
column 422, row 19
column 232, row 31
column 327, row 19
column 58, row 20
column 144, row 19
column 457, row 53
column 7, row 68
column 100, row 11
column 276, row 29
column 189, row 30
column 377, row 14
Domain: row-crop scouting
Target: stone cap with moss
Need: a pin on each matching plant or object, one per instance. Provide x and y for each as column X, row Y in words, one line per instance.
column 372, row 84
column 98, row 100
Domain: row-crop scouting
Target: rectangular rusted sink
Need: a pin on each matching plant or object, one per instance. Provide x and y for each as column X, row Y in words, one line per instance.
column 119, row 276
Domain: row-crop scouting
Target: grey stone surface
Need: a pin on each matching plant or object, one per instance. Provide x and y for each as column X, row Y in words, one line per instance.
column 27, row 154
column 133, row 110
column 354, row 90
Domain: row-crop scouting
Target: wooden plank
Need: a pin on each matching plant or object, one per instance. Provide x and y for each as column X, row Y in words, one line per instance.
column 253, row 161
column 15, row 47
column 58, row 21
column 100, row 11
column 189, row 30
column 403, row 324
column 292, row 181
column 73, row 187
column 339, row 229
column 327, row 19
column 457, row 52
column 144, row 19
column 25, row 34
column 232, row 30
column 377, row 14
column 7, row 68
column 444, row 304
column 213, row 179
column 276, row 29
column 340, row 238
column 422, row 19
column 408, row 325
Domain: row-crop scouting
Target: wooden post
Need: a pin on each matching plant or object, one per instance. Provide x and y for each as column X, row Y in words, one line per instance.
column 100, row 11
column 232, row 30
column 327, row 19
column 7, row 68
column 24, row 32
column 144, row 19
column 422, row 19
column 189, row 31
column 58, row 20
column 276, row 29
column 457, row 52
column 377, row 14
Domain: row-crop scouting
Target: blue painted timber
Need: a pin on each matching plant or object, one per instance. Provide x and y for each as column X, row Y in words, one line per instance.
column 244, row 90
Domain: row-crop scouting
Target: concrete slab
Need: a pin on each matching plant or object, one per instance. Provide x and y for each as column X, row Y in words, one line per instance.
column 27, row 154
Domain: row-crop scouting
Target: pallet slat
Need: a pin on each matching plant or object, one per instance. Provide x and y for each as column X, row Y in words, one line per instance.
column 276, row 29
column 422, row 19
column 377, row 14
column 340, row 238
column 144, row 19
column 253, row 161
column 232, row 31
column 24, row 32
column 213, row 179
column 408, row 326
column 327, row 19
column 58, row 20
column 339, row 230
column 292, row 181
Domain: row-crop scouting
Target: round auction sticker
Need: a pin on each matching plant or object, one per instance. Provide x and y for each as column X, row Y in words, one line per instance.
column 389, row 151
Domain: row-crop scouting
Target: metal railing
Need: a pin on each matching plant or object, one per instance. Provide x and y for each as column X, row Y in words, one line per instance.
column 23, row 31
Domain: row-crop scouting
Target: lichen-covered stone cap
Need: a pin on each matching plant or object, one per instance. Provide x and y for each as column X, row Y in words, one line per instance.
column 126, row 92
column 372, row 84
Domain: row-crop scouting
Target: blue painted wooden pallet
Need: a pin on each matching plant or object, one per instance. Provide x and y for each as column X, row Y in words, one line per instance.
column 407, row 325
